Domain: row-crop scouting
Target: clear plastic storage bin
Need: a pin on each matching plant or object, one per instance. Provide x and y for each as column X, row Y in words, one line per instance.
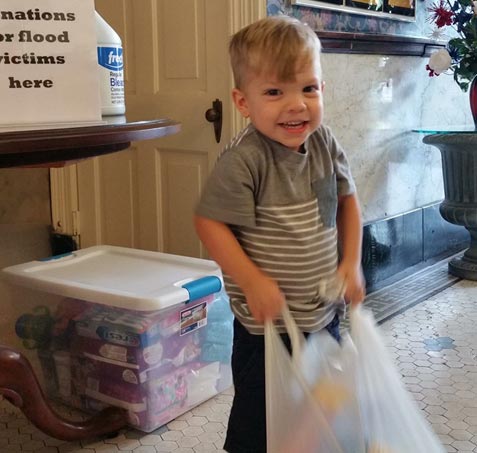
column 146, row 331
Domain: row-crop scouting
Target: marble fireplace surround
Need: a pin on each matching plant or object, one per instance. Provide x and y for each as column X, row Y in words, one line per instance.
column 397, row 242
column 372, row 102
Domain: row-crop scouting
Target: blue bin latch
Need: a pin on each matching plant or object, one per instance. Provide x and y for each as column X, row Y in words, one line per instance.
column 56, row 257
column 203, row 287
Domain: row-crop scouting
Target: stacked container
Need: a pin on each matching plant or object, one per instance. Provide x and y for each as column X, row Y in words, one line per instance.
column 145, row 331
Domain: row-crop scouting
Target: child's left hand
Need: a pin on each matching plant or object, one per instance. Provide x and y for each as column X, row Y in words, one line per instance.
column 353, row 279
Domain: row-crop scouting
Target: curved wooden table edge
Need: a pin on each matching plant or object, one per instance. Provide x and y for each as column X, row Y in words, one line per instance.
column 55, row 147
column 19, row 386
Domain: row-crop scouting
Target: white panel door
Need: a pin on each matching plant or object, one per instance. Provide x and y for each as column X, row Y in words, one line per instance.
column 176, row 65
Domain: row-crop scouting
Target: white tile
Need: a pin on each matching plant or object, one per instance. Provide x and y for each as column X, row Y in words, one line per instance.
column 166, row 446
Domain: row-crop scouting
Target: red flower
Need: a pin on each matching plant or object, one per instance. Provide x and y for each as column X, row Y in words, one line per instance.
column 431, row 71
column 442, row 15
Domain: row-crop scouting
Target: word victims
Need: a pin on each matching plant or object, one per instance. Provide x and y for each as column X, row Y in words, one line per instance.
column 26, row 36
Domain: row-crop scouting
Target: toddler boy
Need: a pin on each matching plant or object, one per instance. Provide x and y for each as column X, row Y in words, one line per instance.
column 279, row 203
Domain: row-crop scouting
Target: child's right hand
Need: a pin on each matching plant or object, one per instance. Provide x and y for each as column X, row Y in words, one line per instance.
column 264, row 299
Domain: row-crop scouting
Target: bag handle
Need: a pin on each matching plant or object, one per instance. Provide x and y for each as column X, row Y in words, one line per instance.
column 296, row 337
column 274, row 351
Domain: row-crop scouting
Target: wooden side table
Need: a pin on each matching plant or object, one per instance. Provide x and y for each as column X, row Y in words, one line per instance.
column 55, row 147
column 52, row 148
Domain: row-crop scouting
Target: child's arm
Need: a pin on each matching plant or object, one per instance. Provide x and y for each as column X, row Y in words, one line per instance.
column 264, row 298
column 350, row 238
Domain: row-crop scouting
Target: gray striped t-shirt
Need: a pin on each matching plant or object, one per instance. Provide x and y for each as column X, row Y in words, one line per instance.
column 281, row 206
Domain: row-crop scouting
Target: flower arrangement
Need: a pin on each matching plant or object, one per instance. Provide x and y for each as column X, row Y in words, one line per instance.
column 460, row 55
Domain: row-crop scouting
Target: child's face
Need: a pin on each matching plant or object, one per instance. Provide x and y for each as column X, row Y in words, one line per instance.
column 287, row 112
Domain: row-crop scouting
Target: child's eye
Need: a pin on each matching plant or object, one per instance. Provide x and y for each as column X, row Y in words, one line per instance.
column 273, row 92
column 311, row 89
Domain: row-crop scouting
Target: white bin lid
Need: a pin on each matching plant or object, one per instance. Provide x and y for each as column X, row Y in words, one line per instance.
column 120, row 277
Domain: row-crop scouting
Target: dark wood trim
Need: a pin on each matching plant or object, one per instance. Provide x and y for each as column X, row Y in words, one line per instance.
column 55, row 147
column 365, row 43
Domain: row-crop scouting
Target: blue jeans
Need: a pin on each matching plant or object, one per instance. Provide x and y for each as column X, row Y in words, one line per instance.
column 246, row 432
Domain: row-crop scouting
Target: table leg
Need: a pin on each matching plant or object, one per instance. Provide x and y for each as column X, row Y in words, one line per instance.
column 19, row 386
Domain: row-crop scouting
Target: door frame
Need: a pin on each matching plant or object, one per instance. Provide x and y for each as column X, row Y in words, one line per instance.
column 63, row 181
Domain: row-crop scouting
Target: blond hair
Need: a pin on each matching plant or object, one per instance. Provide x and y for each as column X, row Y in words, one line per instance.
column 275, row 45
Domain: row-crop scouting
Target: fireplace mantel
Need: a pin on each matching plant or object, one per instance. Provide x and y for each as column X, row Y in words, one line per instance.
column 377, row 44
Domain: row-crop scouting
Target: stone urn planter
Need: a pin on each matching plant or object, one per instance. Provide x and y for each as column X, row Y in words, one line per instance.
column 459, row 168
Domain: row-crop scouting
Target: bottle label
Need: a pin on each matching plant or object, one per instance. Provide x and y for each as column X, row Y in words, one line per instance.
column 111, row 58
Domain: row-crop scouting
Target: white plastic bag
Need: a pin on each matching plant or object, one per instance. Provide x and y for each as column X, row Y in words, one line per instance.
column 310, row 396
column 348, row 398
column 392, row 421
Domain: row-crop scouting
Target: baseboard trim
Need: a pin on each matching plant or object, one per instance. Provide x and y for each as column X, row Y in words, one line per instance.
column 411, row 240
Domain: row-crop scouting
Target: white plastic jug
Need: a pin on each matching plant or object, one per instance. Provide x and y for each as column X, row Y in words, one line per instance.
column 111, row 68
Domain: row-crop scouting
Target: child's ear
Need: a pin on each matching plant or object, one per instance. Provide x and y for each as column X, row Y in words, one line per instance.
column 240, row 102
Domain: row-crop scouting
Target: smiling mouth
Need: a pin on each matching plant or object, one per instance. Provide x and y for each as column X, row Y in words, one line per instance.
column 294, row 124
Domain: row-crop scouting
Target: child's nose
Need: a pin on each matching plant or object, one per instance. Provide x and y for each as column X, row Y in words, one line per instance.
column 296, row 103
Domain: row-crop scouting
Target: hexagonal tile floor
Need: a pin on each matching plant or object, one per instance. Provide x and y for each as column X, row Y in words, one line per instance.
column 428, row 321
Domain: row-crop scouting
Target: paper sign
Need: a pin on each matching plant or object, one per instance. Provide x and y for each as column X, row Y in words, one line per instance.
column 48, row 62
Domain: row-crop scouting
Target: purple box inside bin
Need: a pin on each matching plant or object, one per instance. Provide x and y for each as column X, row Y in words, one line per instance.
column 139, row 341
column 155, row 395
column 173, row 351
column 157, row 401
column 136, row 328
column 133, row 365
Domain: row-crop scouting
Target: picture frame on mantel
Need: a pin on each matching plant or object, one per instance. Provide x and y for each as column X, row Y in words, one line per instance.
column 343, row 32
column 403, row 10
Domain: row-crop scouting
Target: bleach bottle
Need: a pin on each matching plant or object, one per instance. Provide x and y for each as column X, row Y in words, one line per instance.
column 111, row 68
